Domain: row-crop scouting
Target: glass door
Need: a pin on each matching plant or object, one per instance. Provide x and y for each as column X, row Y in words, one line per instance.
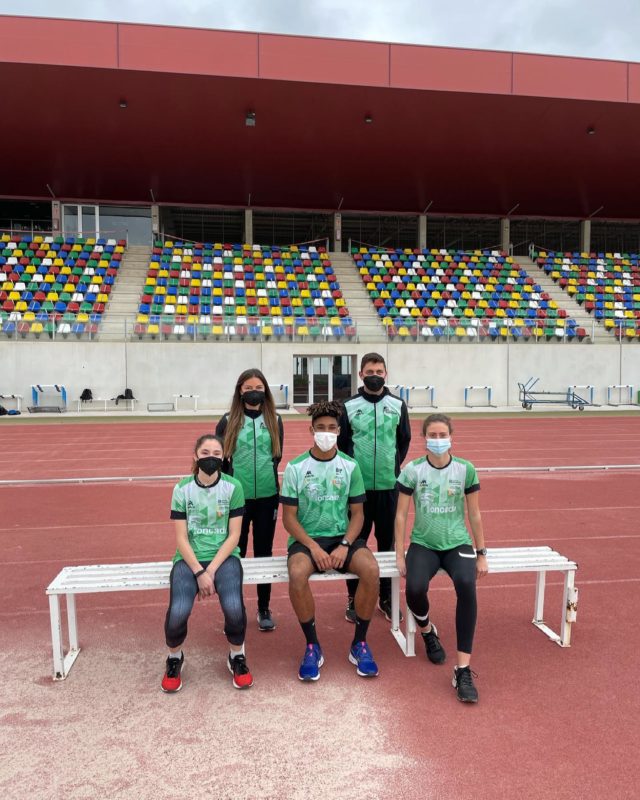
column 317, row 378
column 321, row 386
column 80, row 220
column 301, row 381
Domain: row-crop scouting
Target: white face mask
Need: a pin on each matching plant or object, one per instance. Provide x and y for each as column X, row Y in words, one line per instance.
column 324, row 440
column 438, row 446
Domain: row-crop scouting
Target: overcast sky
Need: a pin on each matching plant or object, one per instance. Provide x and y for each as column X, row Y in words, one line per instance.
column 596, row 28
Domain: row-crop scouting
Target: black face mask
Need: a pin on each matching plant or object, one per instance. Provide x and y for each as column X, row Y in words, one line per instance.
column 210, row 464
column 254, row 397
column 373, row 382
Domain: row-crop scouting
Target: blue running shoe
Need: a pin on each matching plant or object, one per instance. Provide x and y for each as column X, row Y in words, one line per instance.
column 311, row 663
column 361, row 656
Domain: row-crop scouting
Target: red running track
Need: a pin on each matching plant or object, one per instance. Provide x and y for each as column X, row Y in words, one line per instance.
column 164, row 448
column 550, row 722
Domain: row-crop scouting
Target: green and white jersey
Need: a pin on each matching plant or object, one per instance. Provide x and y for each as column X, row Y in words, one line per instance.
column 438, row 496
column 322, row 491
column 377, row 432
column 207, row 510
column 252, row 462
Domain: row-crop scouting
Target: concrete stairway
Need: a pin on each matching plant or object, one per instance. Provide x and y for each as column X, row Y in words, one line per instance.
column 125, row 297
column 361, row 309
column 564, row 300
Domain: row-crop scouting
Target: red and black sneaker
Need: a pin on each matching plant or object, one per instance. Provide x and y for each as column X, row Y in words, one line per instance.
column 242, row 678
column 172, row 682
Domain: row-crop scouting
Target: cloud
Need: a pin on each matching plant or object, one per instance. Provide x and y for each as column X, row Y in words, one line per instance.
column 592, row 28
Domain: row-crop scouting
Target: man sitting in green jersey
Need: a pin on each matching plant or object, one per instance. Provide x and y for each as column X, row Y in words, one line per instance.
column 319, row 489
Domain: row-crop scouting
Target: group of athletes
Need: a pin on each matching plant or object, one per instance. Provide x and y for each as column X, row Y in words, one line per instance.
column 349, row 482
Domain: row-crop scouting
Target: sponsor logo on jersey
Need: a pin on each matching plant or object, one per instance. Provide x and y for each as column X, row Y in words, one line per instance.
column 442, row 509
column 359, row 412
column 390, row 411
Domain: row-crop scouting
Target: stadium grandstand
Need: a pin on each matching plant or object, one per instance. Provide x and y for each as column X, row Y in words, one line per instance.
column 230, row 198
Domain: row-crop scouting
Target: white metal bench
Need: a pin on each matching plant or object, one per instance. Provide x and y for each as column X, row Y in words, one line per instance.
column 137, row 577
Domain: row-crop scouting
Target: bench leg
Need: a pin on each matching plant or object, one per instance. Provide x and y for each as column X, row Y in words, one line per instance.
column 406, row 643
column 72, row 623
column 62, row 663
column 569, row 606
column 56, row 637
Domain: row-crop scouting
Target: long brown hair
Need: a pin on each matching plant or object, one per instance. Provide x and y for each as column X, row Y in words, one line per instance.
column 236, row 415
column 201, row 440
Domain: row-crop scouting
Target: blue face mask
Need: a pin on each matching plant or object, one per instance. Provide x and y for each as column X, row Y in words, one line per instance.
column 438, row 446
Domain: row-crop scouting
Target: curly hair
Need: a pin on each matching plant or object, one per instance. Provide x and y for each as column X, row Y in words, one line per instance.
column 325, row 408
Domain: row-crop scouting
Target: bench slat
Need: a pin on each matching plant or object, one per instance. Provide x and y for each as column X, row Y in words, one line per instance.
column 155, row 575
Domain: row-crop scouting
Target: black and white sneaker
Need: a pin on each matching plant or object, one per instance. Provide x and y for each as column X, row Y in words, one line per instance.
column 172, row 680
column 350, row 612
column 384, row 605
column 265, row 620
column 242, row 677
column 435, row 651
column 463, row 684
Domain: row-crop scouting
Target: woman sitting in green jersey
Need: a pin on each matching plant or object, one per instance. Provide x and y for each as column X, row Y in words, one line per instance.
column 322, row 496
column 253, row 440
column 207, row 507
column 440, row 484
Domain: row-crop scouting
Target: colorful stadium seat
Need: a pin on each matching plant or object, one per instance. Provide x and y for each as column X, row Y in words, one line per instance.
column 454, row 295
column 607, row 285
column 59, row 286
column 241, row 292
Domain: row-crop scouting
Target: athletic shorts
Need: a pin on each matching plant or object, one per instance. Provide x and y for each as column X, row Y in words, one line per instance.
column 328, row 544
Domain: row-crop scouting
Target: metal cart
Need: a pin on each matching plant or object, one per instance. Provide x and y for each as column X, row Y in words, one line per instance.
column 528, row 397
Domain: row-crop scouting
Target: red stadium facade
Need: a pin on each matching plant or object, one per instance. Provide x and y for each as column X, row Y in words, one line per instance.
column 139, row 114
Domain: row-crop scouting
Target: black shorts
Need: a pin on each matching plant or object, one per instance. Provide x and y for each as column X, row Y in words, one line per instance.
column 328, row 544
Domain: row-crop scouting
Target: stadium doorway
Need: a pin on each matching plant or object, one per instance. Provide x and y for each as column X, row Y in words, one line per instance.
column 317, row 378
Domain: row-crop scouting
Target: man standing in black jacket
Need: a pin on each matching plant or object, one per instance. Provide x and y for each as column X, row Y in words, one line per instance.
column 375, row 430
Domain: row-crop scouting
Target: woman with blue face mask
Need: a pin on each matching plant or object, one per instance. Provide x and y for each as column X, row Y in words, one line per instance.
column 441, row 485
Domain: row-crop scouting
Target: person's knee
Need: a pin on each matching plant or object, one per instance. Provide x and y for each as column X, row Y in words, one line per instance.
column 416, row 588
column 365, row 566
column 298, row 572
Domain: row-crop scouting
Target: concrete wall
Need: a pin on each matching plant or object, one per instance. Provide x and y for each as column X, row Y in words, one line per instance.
column 156, row 371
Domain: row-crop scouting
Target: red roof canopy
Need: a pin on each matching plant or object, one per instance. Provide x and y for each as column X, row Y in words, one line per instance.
column 467, row 131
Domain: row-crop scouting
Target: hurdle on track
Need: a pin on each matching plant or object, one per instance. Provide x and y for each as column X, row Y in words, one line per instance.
column 399, row 387
column 280, row 387
column 55, row 391
column 587, row 386
column 192, row 397
column 431, row 395
column 16, row 397
column 489, row 394
column 620, row 387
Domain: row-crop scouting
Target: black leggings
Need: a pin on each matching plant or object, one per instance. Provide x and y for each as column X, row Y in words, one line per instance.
column 460, row 564
column 184, row 588
column 263, row 513
column 379, row 510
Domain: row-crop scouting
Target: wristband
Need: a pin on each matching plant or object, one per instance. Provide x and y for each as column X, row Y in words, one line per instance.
column 196, row 575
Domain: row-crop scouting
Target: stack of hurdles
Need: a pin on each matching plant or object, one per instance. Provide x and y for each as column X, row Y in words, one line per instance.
column 223, row 291
column 607, row 285
column 456, row 295
column 58, row 286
